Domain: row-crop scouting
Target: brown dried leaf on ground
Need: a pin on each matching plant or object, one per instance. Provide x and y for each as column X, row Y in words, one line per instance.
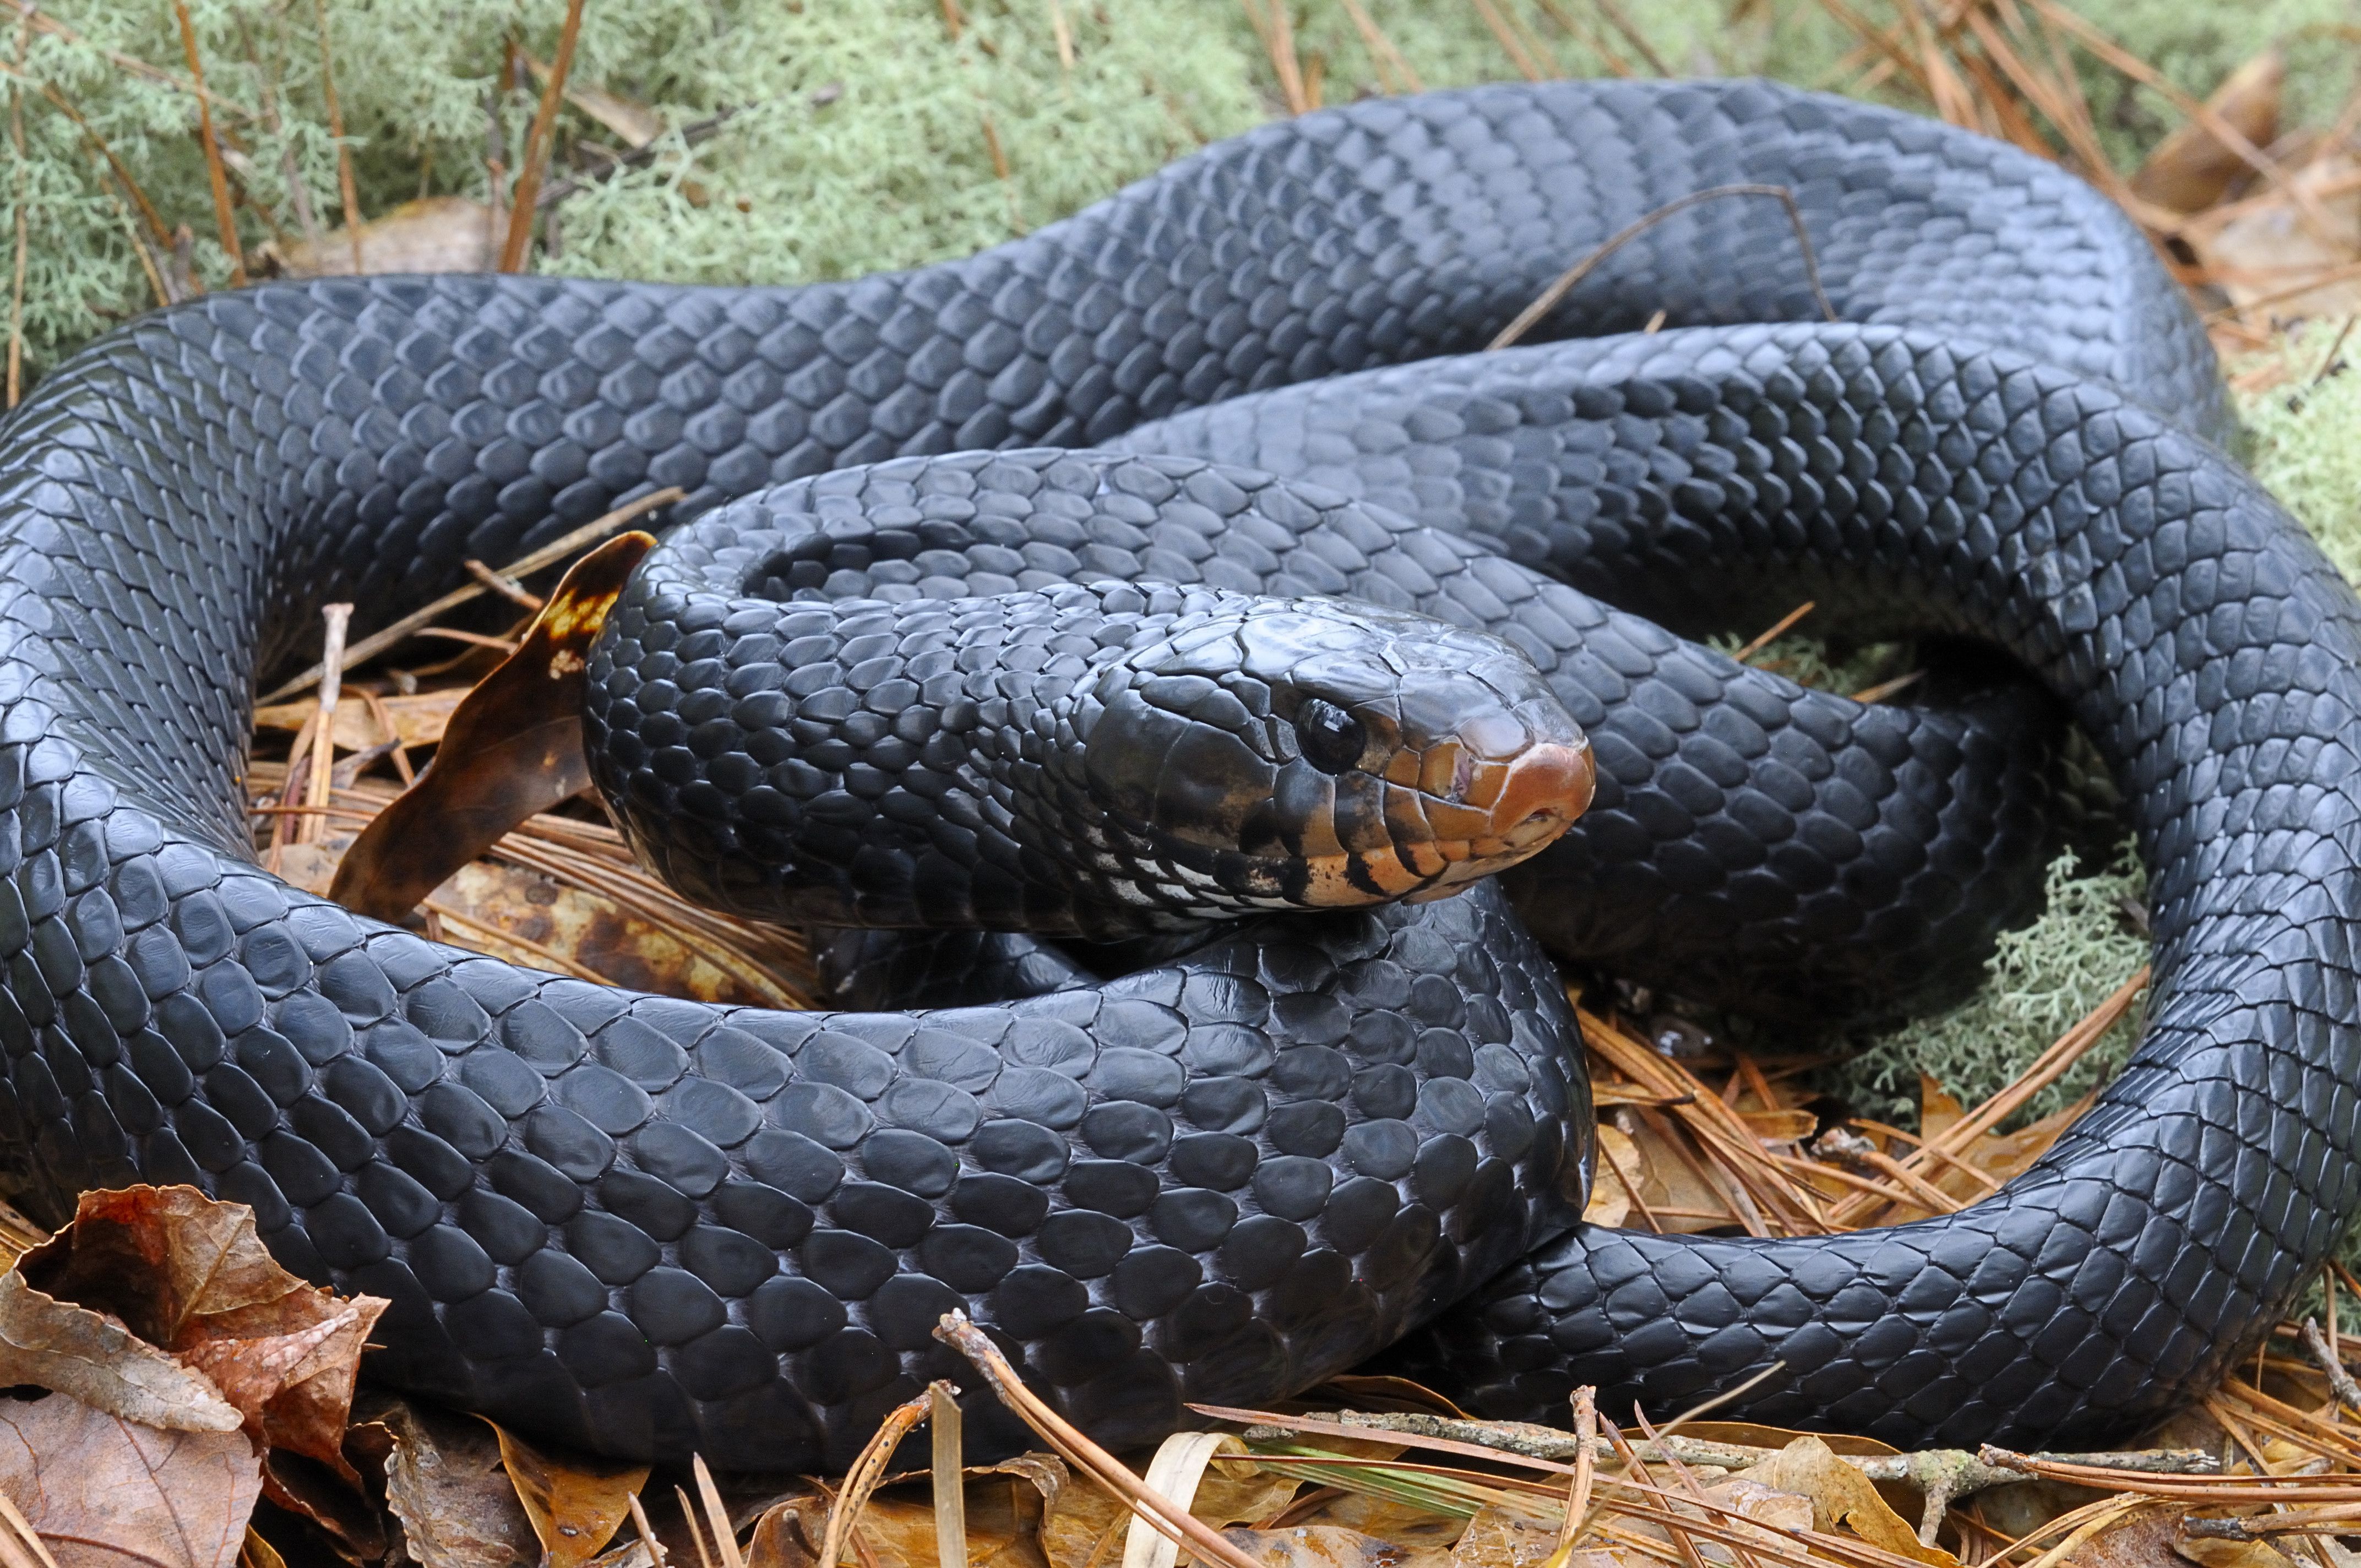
column 1085, row 1525
column 2191, row 170
column 106, row 1493
column 444, row 1483
column 440, row 233
column 1501, row 1538
column 1842, row 1497
column 575, row 1505
column 418, row 720
column 512, row 748
column 91, row 1356
column 1318, row 1546
column 189, row 1274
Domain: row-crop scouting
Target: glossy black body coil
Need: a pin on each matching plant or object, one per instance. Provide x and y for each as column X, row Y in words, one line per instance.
column 648, row 1227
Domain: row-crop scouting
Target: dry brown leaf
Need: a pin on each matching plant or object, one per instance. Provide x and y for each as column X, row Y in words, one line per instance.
column 2191, row 170
column 1083, row 1522
column 1842, row 1495
column 2269, row 250
column 1315, row 1546
column 547, row 917
column 440, row 233
column 187, row 1274
column 573, row 1504
column 355, row 1527
column 106, row 1493
column 512, row 748
column 1610, row 1194
column 418, row 720
column 1671, row 1188
column 2179, row 1550
column 1426, row 1538
column 1498, row 1537
column 93, row 1357
column 444, row 1483
column 789, row 1534
column 634, row 124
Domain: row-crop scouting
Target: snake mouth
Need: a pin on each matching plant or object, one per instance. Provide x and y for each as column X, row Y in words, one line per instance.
column 1499, row 811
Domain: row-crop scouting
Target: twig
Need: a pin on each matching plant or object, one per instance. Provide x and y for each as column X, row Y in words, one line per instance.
column 323, row 744
column 647, row 1534
column 1717, row 1402
column 1510, row 45
column 2340, row 1381
column 867, row 1470
column 1621, row 23
column 347, row 186
column 1778, row 630
column 1383, row 56
column 690, row 135
column 507, row 587
column 536, row 143
column 222, row 216
column 1192, row 1533
column 1276, row 28
column 945, row 1427
column 43, row 22
column 549, row 555
column 24, row 226
column 1547, row 300
column 1585, row 1475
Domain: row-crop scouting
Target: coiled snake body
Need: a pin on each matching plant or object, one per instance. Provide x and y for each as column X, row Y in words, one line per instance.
column 648, row 1227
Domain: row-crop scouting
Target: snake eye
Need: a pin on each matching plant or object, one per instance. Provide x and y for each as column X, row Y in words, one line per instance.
column 1332, row 739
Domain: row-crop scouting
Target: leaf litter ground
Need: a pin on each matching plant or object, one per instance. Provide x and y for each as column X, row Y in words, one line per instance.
column 179, row 1400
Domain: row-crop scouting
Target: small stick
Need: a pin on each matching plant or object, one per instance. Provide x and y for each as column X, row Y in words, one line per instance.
column 24, row 235
column 536, row 144
column 696, row 1530
column 507, row 587
column 647, row 1534
column 2327, row 360
column 1185, row 1527
column 1585, row 1473
column 222, row 215
column 2348, row 1392
column 348, row 187
column 549, row 555
column 323, row 744
column 944, row 1431
column 1777, row 630
column 868, row 1469
column 1547, row 300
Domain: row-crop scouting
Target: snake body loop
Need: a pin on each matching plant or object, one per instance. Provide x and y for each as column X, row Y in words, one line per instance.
column 1292, row 1140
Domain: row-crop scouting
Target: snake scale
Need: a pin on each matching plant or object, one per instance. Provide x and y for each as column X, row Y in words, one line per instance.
column 1194, row 1157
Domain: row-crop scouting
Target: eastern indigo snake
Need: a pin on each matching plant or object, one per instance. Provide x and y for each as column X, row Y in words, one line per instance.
column 1280, row 1146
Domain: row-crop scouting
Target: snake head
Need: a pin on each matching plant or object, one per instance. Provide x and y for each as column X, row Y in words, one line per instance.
column 1310, row 754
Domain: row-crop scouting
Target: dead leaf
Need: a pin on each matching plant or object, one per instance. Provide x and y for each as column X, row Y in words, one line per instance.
column 512, row 748
column 1316, row 1546
column 528, row 917
column 1083, row 1522
column 2180, row 1548
column 93, row 1358
column 2190, row 169
column 353, row 1522
column 418, row 720
column 789, row 1534
column 1498, row 1537
column 1611, row 1193
column 634, row 124
column 2270, row 247
column 103, row 1492
column 1842, row 1495
column 444, row 1483
column 575, row 1505
column 440, row 233
column 187, row 1274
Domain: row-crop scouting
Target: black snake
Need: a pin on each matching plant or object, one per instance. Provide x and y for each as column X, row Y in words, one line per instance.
column 1275, row 1148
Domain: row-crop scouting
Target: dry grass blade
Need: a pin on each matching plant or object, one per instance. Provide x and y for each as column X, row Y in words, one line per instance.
column 1586, row 1470
column 868, row 1469
column 1276, row 28
column 323, row 743
column 1549, row 298
column 945, row 1427
column 21, row 1545
column 548, row 555
column 647, row 1534
column 1779, row 629
column 1515, row 48
column 1384, row 57
column 716, row 1517
column 223, row 216
column 1326, row 1428
column 23, row 224
column 537, row 144
column 964, row 1336
column 1175, row 1473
